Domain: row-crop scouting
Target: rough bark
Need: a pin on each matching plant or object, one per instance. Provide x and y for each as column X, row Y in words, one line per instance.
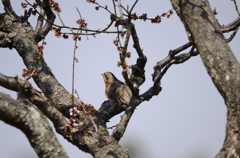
column 204, row 34
column 24, row 116
column 222, row 66
column 17, row 33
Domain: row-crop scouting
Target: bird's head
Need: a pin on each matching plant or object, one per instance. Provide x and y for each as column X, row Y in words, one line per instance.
column 108, row 77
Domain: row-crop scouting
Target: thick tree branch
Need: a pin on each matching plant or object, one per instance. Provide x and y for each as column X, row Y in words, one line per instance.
column 24, row 117
column 109, row 109
column 20, row 86
column 62, row 126
column 220, row 62
column 225, row 67
column 83, row 136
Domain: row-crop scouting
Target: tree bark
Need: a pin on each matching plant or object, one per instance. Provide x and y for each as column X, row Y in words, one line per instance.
column 24, row 116
column 222, row 66
column 17, row 33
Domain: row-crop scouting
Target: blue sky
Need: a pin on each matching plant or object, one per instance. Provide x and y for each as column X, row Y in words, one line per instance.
column 187, row 118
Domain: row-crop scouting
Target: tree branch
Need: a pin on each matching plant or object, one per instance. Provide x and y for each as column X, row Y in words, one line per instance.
column 232, row 35
column 40, row 20
column 24, row 117
column 125, row 118
column 20, row 86
column 219, row 60
column 232, row 26
column 41, row 33
column 8, row 8
column 109, row 109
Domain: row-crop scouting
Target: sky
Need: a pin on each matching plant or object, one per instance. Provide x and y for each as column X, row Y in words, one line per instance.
column 186, row 120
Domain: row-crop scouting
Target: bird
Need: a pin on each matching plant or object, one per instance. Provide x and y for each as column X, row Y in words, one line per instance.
column 115, row 89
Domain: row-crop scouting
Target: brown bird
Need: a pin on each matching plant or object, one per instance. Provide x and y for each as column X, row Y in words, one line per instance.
column 115, row 89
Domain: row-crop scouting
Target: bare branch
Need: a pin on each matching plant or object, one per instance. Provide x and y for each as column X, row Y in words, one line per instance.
column 8, row 7
column 136, row 41
column 138, row 73
column 26, row 15
column 48, row 25
column 125, row 118
column 20, row 86
column 133, row 7
column 39, row 22
column 232, row 26
column 232, row 35
column 236, row 6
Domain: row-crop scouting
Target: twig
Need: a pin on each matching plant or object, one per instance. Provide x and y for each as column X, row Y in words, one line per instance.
column 90, row 117
column 236, row 6
column 73, row 66
column 103, row 8
column 108, row 128
column 74, row 28
column 133, row 7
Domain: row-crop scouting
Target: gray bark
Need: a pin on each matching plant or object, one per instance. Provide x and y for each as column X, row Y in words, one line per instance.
column 222, row 66
column 24, row 116
column 17, row 33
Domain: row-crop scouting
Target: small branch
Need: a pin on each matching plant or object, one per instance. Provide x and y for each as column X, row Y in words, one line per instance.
column 105, row 8
column 8, row 7
column 127, row 40
column 114, row 6
column 236, row 6
column 50, row 17
column 181, row 48
column 125, row 118
column 136, row 41
column 27, row 14
column 232, row 35
column 90, row 117
column 48, row 25
column 130, row 12
column 40, row 20
column 232, row 26
column 133, row 89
